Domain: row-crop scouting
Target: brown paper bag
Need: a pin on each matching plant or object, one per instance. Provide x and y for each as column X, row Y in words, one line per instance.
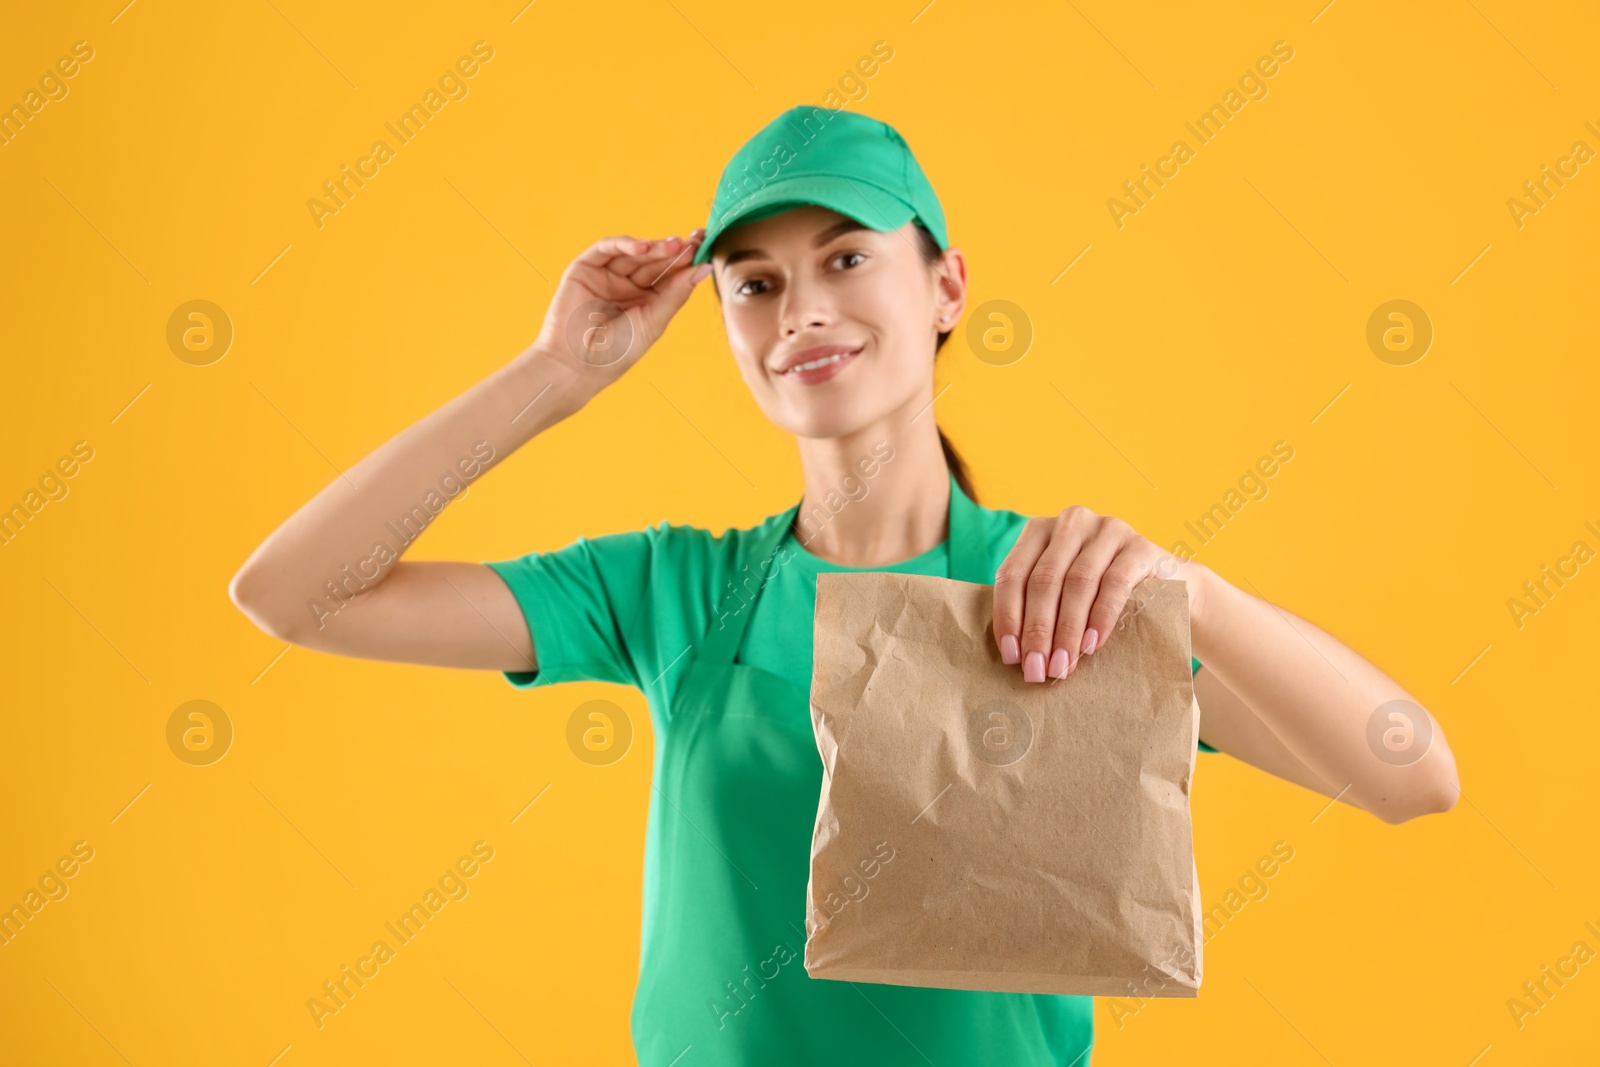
column 979, row 832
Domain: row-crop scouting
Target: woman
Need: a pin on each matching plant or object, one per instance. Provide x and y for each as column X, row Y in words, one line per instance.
column 838, row 286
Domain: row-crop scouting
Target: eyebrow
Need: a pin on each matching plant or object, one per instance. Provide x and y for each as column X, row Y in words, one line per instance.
column 832, row 232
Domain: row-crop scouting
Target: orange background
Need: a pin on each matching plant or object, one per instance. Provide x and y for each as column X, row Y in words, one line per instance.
column 1229, row 313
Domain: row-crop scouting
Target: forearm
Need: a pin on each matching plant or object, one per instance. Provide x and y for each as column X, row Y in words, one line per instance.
column 392, row 493
column 1317, row 695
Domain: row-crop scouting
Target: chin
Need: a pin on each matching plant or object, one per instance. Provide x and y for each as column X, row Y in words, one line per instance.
column 821, row 419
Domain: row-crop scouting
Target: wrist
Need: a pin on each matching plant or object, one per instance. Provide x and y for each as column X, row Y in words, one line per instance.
column 562, row 389
column 1201, row 582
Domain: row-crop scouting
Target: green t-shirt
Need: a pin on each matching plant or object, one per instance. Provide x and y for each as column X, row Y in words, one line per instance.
column 622, row 607
column 628, row 607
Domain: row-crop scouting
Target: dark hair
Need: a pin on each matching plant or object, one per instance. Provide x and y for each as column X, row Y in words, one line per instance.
column 928, row 245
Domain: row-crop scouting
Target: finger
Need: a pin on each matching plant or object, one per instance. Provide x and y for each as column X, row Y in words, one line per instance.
column 671, row 292
column 1116, row 589
column 626, row 266
column 606, row 284
column 643, row 270
column 1046, row 589
column 607, row 249
column 625, row 278
column 651, row 273
column 623, row 271
column 1010, row 587
column 635, row 249
column 1085, row 583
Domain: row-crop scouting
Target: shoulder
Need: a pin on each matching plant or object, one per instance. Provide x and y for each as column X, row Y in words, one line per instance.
column 689, row 568
column 692, row 545
column 683, row 551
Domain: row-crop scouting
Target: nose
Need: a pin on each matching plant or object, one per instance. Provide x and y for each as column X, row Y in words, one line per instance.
column 804, row 306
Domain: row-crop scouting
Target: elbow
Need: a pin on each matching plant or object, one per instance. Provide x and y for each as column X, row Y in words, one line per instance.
column 1446, row 789
column 250, row 592
column 1428, row 786
column 1443, row 795
column 1434, row 796
column 1415, row 807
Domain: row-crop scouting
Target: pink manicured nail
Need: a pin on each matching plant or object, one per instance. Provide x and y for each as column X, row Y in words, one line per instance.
column 1089, row 639
column 1058, row 663
column 1033, row 667
column 1009, row 653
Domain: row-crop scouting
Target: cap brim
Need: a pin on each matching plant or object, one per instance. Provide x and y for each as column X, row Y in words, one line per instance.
column 851, row 197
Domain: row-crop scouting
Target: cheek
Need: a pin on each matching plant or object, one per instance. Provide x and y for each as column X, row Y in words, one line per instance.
column 749, row 338
column 897, row 316
column 902, row 295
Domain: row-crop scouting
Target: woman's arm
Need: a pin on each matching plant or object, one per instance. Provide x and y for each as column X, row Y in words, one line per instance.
column 1274, row 690
column 1292, row 699
column 331, row 576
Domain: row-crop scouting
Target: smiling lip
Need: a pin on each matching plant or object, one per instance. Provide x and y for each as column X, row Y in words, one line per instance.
column 827, row 360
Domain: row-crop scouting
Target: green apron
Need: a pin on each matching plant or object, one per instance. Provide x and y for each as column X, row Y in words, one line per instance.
column 727, row 858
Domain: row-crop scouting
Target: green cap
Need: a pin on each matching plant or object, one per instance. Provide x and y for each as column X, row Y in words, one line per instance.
column 853, row 164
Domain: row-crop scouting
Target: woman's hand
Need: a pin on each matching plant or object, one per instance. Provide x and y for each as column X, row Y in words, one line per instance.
column 614, row 301
column 1061, row 589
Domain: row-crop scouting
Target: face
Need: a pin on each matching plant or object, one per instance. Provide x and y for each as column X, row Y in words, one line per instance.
column 811, row 285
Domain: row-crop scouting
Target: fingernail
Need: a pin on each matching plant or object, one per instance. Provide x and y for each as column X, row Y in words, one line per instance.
column 1009, row 652
column 1033, row 667
column 1058, row 663
column 699, row 276
column 1090, row 637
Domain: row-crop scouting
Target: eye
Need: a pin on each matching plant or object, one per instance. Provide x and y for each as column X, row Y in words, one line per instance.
column 859, row 256
column 743, row 288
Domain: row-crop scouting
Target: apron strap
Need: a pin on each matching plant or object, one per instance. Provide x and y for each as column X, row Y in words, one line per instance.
column 732, row 611
column 969, row 549
column 969, row 562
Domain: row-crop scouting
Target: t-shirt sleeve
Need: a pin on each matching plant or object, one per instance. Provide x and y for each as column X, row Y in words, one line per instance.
column 584, row 604
column 1194, row 668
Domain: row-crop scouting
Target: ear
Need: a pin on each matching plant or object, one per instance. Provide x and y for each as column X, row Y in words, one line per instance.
column 950, row 297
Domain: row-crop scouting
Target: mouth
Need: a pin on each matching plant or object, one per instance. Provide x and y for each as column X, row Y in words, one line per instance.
column 816, row 365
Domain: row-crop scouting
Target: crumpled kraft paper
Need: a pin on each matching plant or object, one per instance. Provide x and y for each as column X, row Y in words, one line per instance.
column 978, row 832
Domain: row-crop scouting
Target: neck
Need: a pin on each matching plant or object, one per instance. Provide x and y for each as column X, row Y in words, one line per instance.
column 876, row 496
